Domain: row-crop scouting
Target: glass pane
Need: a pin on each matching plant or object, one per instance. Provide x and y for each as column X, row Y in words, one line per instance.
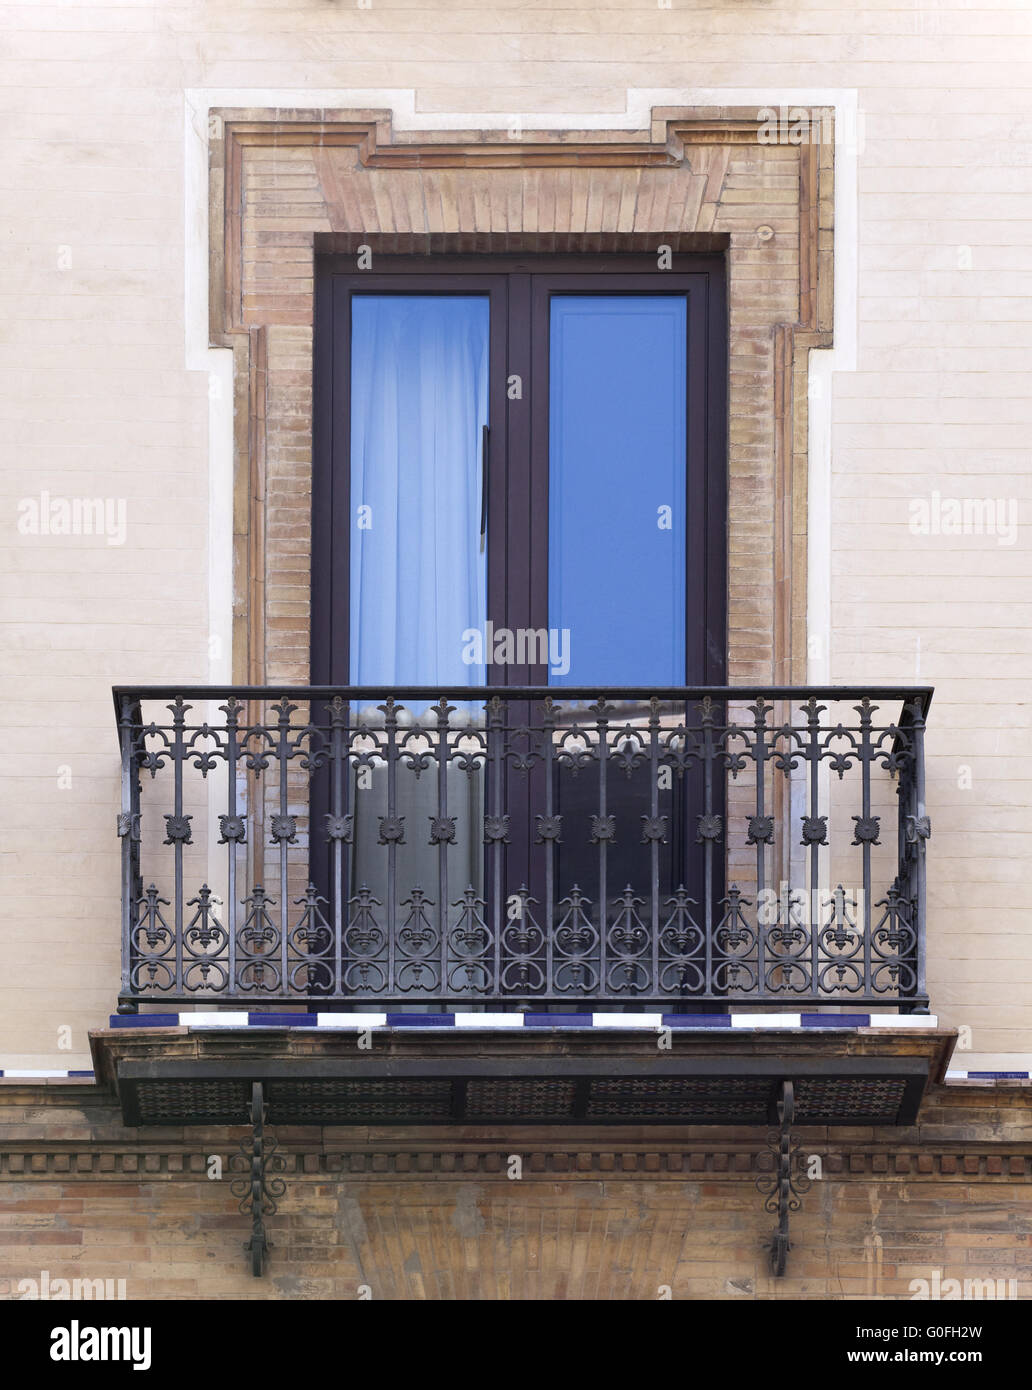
column 419, row 393
column 616, row 529
column 419, row 401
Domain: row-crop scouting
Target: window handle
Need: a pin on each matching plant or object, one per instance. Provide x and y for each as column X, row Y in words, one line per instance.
column 484, row 445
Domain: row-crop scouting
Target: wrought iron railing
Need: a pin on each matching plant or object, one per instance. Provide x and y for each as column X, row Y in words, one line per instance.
column 523, row 849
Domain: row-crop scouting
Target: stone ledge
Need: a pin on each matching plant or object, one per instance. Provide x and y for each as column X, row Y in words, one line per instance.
column 467, row 1077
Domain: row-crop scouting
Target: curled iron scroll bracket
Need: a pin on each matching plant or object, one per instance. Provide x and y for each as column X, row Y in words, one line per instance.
column 258, row 1191
column 783, row 1188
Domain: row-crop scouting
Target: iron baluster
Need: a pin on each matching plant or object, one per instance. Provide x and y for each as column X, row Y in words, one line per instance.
column 654, row 840
column 178, row 830
column 603, row 830
column 548, row 726
column 392, row 826
column 443, row 833
column 232, row 829
column 705, row 828
column 338, row 831
column 129, row 728
column 495, row 772
column 921, row 832
column 760, row 832
column 866, row 830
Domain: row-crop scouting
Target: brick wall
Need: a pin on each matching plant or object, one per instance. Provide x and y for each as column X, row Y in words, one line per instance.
column 424, row 1214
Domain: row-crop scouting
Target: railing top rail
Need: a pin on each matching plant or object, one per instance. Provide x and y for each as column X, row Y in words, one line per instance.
column 904, row 693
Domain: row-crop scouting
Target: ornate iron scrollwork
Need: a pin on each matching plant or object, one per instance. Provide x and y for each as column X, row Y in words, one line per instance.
column 257, row 1190
column 783, row 1188
column 345, row 792
column 919, row 829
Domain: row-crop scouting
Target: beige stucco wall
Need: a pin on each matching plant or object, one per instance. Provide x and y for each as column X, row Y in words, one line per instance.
column 931, row 396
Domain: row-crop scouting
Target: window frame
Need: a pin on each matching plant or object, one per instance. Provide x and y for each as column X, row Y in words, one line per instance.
column 520, row 288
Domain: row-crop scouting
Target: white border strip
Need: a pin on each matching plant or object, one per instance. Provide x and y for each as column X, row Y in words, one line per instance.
column 346, row 1022
column 350, row 1022
column 766, row 1021
column 37, row 1074
column 904, row 1021
column 988, row 1075
column 487, row 1020
column 649, row 1020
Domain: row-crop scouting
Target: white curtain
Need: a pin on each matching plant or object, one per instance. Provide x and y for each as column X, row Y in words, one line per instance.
column 419, row 399
column 419, row 391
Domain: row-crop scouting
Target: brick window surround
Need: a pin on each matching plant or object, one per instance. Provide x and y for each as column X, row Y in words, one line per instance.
column 288, row 185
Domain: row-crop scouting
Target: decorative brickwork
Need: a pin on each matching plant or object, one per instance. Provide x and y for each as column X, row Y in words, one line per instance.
column 285, row 185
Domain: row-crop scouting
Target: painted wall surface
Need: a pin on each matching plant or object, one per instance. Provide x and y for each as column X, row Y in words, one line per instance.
column 921, row 561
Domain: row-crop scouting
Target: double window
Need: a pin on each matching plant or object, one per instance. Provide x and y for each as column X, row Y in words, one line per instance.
column 519, row 475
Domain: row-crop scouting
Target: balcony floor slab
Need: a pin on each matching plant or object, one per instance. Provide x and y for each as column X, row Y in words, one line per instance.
column 557, row 1076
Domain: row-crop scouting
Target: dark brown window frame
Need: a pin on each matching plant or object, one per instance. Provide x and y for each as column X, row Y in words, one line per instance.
column 518, row 456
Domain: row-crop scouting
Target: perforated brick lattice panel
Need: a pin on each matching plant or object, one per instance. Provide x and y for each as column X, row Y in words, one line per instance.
column 689, row 1099
column 862, row 1098
column 201, row 1102
column 353, row 1102
column 561, row 1099
column 510, row 1099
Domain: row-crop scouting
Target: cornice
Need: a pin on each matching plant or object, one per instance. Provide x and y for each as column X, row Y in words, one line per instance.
column 152, row 1160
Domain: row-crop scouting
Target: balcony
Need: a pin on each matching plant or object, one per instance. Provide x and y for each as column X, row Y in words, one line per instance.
column 545, row 851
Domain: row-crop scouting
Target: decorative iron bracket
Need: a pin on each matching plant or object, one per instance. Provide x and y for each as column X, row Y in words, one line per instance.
column 257, row 1189
column 783, row 1188
column 918, row 829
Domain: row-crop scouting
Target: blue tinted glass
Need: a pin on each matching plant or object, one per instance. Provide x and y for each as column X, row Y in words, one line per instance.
column 616, row 537
column 419, row 392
